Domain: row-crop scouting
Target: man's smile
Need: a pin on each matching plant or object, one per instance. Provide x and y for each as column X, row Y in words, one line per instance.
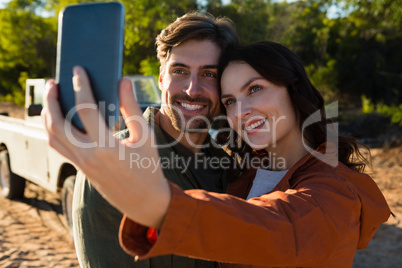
column 191, row 107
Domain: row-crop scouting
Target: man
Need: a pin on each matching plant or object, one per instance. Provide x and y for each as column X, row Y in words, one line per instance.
column 188, row 50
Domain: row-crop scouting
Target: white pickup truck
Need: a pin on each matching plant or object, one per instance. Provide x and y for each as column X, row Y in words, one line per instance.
column 26, row 155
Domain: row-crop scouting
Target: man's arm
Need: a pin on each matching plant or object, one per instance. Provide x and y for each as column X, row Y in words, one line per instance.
column 144, row 196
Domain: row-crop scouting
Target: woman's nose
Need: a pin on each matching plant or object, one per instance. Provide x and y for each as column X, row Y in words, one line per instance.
column 243, row 110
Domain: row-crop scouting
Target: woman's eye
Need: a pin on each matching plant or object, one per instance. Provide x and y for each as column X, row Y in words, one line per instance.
column 255, row 89
column 228, row 102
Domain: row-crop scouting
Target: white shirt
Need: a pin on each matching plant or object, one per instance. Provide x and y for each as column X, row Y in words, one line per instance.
column 264, row 181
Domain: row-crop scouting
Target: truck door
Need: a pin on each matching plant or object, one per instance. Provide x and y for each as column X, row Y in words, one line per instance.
column 36, row 148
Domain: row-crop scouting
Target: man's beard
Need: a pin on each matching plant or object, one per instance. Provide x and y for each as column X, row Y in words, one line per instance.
column 188, row 123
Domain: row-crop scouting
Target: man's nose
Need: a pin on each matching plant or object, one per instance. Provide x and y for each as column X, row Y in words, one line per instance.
column 193, row 87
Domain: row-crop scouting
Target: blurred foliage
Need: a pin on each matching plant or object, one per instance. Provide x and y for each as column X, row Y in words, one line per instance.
column 367, row 105
column 393, row 111
column 354, row 53
column 27, row 46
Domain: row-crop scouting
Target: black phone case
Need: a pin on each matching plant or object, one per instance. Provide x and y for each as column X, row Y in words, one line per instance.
column 91, row 35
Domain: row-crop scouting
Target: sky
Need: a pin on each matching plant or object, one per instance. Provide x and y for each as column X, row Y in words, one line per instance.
column 3, row 2
column 44, row 13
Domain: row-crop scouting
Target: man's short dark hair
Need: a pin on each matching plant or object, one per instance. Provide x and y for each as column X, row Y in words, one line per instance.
column 196, row 26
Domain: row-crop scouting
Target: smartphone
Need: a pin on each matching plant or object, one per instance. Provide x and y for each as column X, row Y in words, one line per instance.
column 91, row 35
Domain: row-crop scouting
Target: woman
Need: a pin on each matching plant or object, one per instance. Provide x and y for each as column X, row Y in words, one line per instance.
column 311, row 207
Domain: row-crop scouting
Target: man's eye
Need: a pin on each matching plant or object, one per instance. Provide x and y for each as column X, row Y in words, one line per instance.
column 255, row 89
column 179, row 71
column 210, row 75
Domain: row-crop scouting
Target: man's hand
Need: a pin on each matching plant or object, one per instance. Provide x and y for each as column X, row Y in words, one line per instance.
column 135, row 190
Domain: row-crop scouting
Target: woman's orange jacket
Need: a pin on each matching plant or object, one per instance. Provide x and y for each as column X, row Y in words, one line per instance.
column 317, row 216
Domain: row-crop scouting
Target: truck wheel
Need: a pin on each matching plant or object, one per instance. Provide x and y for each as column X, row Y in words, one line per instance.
column 12, row 186
column 67, row 202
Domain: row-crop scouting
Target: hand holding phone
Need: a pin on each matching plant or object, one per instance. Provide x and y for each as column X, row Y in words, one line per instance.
column 91, row 36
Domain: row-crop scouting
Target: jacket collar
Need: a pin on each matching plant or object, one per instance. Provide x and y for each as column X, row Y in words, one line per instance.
column 326, row 152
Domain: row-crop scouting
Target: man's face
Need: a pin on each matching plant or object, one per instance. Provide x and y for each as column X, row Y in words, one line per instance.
column 188, row 82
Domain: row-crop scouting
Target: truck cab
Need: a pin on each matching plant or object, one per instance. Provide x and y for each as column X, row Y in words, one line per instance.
column 146, row 91
column 26, row 156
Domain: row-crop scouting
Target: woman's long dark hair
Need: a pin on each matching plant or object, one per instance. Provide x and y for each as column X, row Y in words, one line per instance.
column 281, row 66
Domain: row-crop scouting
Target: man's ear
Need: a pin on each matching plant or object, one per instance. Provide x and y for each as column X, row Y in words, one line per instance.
column 161, row 70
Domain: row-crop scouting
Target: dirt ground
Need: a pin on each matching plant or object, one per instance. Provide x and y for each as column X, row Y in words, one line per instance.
column 32, row 233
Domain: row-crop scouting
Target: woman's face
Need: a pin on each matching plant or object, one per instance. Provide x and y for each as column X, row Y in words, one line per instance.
column 258, row 110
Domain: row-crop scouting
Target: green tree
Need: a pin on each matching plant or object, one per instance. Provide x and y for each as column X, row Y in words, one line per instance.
column 304, row 27
column 369, row 51
column 355, row 53
column 250, row 16
column 143, row 22
column 27, row 47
